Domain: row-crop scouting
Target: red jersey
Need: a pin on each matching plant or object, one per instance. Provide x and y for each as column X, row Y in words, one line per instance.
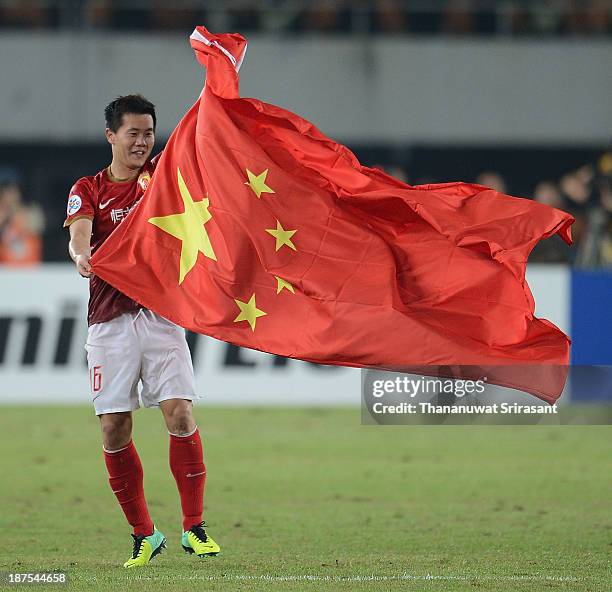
column 106, row 203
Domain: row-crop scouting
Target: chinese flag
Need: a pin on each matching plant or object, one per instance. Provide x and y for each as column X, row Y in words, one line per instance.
column 259, row 230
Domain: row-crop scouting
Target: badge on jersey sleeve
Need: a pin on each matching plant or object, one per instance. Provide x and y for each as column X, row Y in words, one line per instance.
column 144, row 180
column 74, row 205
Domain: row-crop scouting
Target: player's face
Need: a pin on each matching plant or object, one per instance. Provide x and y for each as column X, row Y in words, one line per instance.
column 133, row 141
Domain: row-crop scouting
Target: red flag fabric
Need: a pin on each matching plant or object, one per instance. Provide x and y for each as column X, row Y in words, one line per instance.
column 258, row 230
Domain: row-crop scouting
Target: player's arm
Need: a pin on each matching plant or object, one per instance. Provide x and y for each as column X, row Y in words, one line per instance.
column 79, row 246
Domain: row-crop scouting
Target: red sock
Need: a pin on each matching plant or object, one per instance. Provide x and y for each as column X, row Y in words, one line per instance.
column 126, row 481
column 187, row 466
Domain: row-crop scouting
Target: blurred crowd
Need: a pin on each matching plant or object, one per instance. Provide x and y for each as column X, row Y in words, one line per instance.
column 21, row 227
column 429, row 17
column 586, row 193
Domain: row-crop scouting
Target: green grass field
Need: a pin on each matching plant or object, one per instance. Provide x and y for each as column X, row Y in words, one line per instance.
column 309, row 499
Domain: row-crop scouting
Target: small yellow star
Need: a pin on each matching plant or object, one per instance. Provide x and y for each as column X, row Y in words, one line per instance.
column 281, row 283
column 282, row 236
column 258, row 183
column 248, row 312
column 189, row 228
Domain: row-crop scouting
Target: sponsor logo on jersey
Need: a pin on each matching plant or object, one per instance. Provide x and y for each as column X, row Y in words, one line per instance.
column 144, row 180
column 119, row 214
column 74, row 205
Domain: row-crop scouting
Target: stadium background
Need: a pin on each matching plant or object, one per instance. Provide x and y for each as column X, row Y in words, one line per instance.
column 512, row 94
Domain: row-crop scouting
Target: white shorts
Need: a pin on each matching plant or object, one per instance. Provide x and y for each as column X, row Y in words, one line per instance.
column 138, row 346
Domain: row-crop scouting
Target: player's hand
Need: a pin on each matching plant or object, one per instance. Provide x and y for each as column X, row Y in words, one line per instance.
column 83, row 266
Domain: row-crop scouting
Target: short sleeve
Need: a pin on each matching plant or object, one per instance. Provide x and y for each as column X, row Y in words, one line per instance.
column 80, row 202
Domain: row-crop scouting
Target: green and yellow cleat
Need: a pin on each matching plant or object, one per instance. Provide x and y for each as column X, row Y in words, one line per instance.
column 195, row 540
column 145, row 548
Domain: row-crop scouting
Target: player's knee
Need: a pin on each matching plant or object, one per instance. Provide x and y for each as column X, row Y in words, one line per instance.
column 116, row 430
column 179, row 417
column 182, row 424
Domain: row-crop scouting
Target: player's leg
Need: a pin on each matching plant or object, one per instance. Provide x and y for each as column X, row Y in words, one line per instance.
column 125, row 474
column 186, row 458
column 168, row 381
column 114, row 367
column 187, row 465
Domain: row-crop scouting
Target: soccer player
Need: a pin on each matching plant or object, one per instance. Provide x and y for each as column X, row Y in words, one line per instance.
column 128, row 344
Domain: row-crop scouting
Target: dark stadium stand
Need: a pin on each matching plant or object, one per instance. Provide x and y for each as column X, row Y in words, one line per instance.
column 414, row 17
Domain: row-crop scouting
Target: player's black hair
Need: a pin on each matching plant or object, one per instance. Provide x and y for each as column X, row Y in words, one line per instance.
column 115, row 110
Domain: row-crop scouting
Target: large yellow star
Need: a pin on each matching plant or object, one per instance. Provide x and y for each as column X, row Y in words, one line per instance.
column 283, row 284
column 248, row 312
column 188, row 227
column 258, row 183
column 282, row 236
